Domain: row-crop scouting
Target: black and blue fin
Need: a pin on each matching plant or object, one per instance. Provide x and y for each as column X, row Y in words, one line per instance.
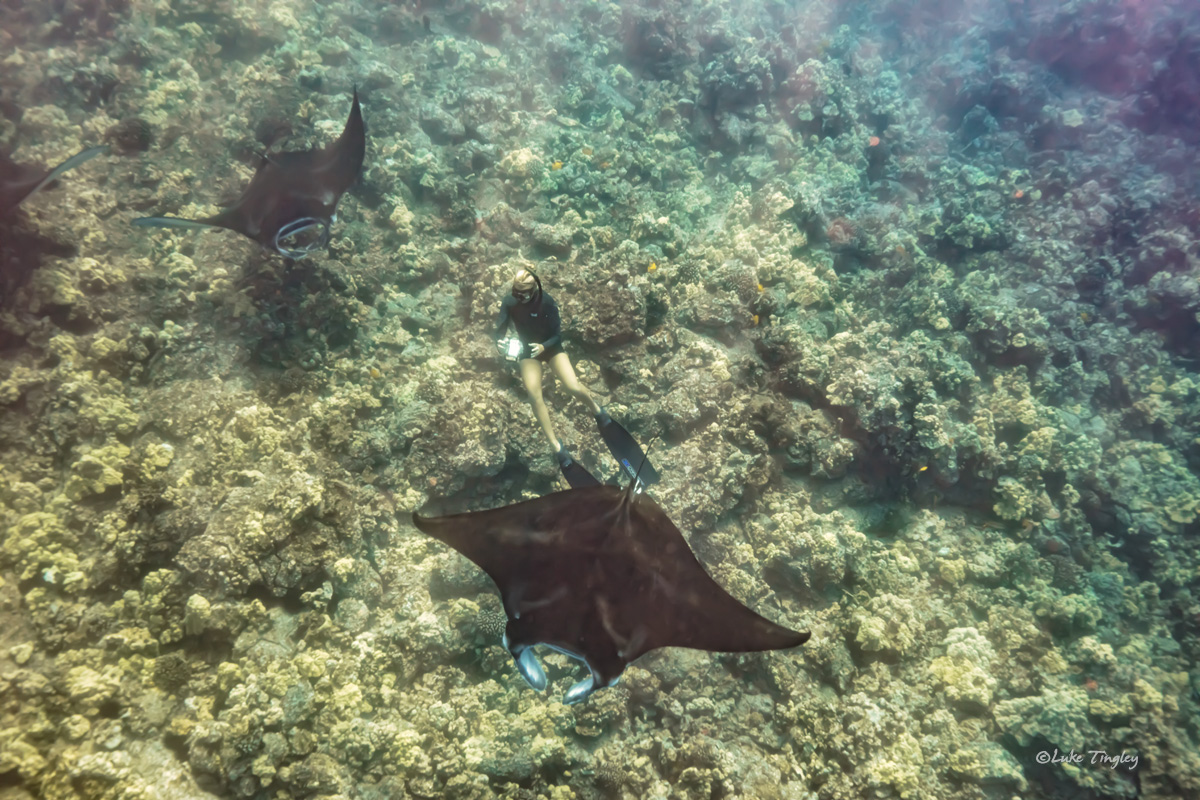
column 626, row 450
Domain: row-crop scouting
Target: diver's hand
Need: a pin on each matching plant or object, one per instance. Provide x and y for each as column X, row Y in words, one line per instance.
column 536, row 350
column 501, row 345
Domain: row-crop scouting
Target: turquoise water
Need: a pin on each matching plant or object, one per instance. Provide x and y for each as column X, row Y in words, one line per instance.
column 901, row 300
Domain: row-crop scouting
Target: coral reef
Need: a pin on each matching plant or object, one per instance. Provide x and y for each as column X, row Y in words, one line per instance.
column 902, row 296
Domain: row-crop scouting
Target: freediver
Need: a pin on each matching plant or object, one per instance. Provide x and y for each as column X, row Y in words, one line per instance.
column 534, row 315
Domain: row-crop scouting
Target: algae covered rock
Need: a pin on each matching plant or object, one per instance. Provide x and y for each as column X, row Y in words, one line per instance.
column 97, row 471
column 889, row 625
column 964, row 672
column 898, row 767
column 1059, row 716
column 989, row 764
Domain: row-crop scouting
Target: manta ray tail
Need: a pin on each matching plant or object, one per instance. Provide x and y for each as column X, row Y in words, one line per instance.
column 169, row 222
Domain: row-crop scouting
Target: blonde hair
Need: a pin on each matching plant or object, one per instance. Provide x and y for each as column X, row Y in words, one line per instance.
column 523, row 280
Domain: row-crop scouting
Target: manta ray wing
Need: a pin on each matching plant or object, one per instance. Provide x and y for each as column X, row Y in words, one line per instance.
column 19, row 182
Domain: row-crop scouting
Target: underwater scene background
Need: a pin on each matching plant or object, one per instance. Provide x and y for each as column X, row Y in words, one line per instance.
column 902, row 297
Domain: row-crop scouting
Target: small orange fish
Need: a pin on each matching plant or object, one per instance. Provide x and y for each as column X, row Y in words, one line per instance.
column 1018, row 194
column 873, row 141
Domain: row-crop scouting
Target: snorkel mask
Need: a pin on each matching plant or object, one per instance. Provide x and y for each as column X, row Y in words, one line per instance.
column 527, row 295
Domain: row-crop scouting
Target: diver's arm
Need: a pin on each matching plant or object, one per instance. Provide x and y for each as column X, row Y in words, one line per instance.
column 502, row 321
column 555, row 322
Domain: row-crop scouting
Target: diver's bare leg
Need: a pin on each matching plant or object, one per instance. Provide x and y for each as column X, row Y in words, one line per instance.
column 531, row 374
column 566, row 374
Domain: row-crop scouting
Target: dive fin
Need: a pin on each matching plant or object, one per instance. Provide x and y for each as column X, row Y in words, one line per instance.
column 626, row 450
column 576, row 474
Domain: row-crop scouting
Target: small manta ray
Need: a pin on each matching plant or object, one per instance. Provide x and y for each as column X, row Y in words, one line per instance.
column 18, row 182
column 600, row 574
column 292, row 199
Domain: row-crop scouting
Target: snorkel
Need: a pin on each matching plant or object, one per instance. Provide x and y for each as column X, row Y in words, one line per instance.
column 538, row 281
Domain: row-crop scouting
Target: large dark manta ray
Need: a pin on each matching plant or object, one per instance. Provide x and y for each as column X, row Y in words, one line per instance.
column 290, row 202
column 602, row 575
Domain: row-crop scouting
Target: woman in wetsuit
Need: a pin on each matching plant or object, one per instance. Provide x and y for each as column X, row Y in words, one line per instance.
column 534, row 316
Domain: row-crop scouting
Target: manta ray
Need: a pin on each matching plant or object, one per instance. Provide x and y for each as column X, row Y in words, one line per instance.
column 19, row 182
column 602, row 575
column 21, row 250
column 292, row 199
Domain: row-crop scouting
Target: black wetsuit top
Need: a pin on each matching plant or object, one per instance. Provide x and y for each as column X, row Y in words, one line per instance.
column 535, row 322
